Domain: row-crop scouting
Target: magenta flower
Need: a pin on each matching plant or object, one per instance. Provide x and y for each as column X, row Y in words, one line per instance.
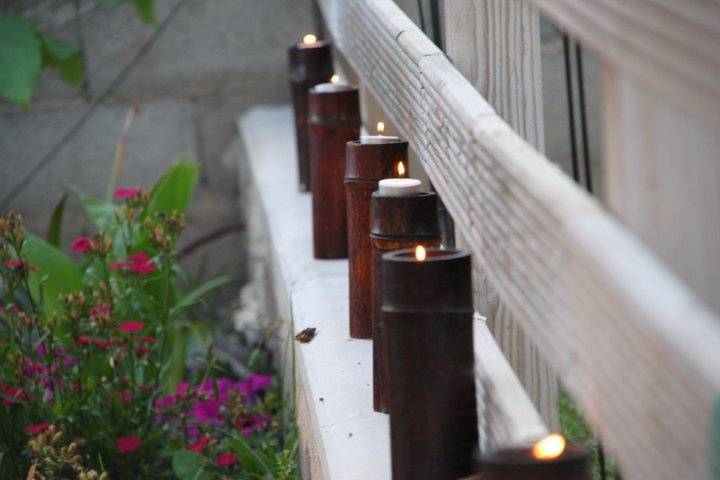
column 140, row 263
column 125, row 193
column 131, row 327
column 37, row 428
column 254, row 384
column 200, row 444
column 226, row 459
column 127, row 444
column 81, row 244
column 206, row 412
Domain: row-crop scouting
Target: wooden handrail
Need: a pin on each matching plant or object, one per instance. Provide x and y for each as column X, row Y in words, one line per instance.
column 634, row 346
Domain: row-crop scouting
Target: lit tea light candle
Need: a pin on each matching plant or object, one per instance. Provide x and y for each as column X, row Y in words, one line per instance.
column 309, row 64
column 549, row 458
column 400, row 169
column 397, row 221
column 427, row 314
column 334, row 85
column 396, row 187
column 379, row 138
column 309, row 40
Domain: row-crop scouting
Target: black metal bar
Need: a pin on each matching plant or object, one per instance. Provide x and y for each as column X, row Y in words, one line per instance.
column 571, row 108
column 601, row 461
column 583, row 117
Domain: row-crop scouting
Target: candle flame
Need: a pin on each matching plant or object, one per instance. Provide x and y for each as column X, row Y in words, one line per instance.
column 401, row 169
column 420, row 253
column 335, row 78
column 549, row 447
column 309, row 38
column 380, row 128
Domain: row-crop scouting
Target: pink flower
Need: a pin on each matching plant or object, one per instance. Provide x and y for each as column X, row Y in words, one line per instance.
column 142, row 351
column 117, row 266
column 37, row 428
column 81, row 244
column 131, row 327
column 124, row 193
column 125, row 396
column 200, row 444
column 225, row 459
column 13, row 395
column 254, row 384
column 101, row 309
column 17, row 265
column 140, row 263
column 206, row 412
column 148, row 339
column 165, row 402
column 127, row 444
column 252, row 423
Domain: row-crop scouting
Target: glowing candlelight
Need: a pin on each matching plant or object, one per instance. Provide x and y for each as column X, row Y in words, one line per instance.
column 379, row 138
column 550, row 447
column 420, row 253
column 334, row 85
column 309, row 39
column 401, row 169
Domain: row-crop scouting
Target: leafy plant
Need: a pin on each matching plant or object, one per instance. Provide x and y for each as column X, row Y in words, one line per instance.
column 25, row 50
column 97, row 351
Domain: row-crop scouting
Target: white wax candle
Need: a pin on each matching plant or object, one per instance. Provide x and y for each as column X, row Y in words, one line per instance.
column 376, row 139
column 330, row 87
column 395, row 187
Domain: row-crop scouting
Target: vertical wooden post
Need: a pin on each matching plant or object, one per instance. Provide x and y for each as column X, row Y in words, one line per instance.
column 496, row 45
column 663, row 177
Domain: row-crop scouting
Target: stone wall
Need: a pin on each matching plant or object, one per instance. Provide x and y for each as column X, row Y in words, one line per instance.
column 215, row 59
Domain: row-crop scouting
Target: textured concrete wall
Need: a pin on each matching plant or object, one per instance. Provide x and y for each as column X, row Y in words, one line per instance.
column 215, row 59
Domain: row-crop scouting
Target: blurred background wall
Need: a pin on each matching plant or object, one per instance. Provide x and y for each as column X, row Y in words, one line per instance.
column 211, row 60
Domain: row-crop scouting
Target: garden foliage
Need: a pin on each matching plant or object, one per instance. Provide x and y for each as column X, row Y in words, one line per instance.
column 93, row 381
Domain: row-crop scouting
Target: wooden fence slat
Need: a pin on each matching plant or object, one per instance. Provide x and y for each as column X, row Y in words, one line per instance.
column 632, row 344
column 496, row 45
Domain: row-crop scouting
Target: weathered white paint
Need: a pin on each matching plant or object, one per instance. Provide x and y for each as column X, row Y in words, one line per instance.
column 313, row 293
column 495, row 44
column 635, row 347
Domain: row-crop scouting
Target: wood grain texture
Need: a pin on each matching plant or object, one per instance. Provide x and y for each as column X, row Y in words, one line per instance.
column 334, row 121
column 668, row 45
column 496, row 45
column 632, row 344
column 663, row 179
column 366, row 165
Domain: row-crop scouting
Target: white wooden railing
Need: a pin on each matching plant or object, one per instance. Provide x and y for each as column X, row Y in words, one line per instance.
column 619, row 321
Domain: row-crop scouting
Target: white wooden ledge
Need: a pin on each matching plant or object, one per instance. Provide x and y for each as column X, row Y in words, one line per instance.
column 341, row 436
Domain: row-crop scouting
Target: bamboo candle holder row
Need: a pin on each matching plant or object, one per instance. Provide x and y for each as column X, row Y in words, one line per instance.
column 412, row 298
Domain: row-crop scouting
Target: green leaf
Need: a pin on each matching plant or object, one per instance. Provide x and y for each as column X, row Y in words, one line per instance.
column 715, row 442
column 54, row 230
column 52, row 271
column 188, row 465
column 174, row 369
column 100, row 213
column 194, row 295
column 20, row 59
column 65, row 56
column 175, row 188
column 146, row 10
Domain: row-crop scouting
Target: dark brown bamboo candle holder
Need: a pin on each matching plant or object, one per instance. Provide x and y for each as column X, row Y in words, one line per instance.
column 519, row 464
column 309, row 65
column 427, row 313
column 334, row 121
column 366, row 164
column 397, row 222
